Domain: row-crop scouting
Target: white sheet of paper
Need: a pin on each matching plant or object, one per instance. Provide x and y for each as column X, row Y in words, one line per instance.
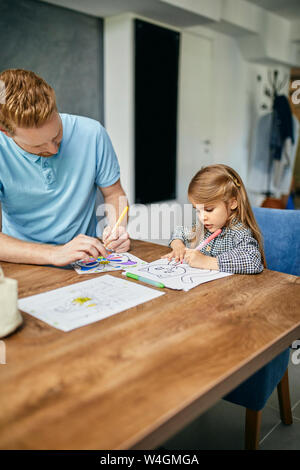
column 176, row 275
column 86, row 302
column 117, row 262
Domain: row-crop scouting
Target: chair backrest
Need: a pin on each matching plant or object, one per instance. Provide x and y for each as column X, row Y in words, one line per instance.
column 281, row 232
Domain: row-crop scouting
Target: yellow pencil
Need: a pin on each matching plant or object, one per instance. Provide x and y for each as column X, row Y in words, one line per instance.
column 119, row 221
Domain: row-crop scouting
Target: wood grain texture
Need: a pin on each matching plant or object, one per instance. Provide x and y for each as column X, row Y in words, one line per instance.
column 132, row 380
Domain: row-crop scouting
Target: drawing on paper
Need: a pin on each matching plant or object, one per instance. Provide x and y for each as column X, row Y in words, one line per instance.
column 113, row 262
column 176, row 275
column 85, row 302
column 81, row 300
column 171, row 269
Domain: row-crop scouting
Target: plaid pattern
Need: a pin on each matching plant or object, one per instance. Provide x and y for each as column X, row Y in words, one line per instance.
column 236, row 249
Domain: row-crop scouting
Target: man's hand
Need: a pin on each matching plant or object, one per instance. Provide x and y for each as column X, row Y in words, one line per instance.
column 117, row 241
column 81, row 247
column 196, row 259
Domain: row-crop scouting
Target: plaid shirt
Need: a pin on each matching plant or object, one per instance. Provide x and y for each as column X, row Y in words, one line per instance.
column 236, row 249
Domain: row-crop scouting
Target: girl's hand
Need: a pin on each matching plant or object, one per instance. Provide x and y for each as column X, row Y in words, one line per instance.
column 196, row 259
column 178, row 251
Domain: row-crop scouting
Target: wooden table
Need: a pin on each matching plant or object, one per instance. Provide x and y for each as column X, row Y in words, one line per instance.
column 134, row 379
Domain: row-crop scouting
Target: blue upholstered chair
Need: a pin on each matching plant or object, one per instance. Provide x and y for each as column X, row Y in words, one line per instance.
column 281, row 233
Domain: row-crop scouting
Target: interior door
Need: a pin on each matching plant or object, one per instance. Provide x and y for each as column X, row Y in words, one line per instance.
column 195, row 109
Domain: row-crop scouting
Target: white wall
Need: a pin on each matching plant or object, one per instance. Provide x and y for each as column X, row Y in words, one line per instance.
column 219, row 100
column 119, row 94
column 230, row 107
column 235, row 99
column 195, row 109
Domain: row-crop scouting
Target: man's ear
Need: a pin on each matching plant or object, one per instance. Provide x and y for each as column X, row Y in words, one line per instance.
column 233, row 204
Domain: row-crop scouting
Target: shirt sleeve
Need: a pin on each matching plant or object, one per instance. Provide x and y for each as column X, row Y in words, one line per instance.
column 177, row 234
column 185, row 234
column 244, row 258
column 107, row 165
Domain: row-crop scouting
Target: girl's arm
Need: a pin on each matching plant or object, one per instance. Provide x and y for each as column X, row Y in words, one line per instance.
column 177, row 244
column 178, row 234
column 183, row 233
column 244, row 258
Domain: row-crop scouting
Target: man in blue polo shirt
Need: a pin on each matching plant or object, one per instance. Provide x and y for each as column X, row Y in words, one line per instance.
column 50, row 167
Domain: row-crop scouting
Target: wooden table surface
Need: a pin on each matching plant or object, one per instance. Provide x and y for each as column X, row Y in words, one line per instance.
column 134, row 379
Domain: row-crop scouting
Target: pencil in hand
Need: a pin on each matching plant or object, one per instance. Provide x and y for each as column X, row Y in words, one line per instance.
column 116, row 226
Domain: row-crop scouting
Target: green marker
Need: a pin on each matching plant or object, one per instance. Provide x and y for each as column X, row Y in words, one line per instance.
column 144, row 279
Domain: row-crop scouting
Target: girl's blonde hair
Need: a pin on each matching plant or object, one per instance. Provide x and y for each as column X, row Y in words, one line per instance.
column 27, row 101
column 219, row 182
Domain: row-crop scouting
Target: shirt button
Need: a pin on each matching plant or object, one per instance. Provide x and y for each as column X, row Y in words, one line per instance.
column 46, row 164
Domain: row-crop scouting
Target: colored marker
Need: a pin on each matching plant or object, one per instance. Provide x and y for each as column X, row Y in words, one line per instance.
column 209, row 239
column 144, row 279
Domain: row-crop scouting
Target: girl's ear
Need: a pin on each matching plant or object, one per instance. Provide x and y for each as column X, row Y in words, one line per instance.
column 233, row 204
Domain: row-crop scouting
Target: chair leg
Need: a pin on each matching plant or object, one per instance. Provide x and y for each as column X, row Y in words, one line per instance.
column 252, row 429
column 284, row 399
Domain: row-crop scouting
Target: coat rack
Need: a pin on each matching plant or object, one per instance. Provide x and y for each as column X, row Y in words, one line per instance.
column 274, row 87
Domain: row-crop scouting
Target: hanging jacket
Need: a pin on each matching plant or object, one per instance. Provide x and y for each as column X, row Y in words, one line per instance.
column 281, row 127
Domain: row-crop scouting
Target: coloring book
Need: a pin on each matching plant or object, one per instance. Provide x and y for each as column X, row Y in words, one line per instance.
column 86, row 302
column 114, row 262
column 175, row 275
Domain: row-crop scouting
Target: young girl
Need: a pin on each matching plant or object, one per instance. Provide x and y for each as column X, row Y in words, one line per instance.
column 219, row 196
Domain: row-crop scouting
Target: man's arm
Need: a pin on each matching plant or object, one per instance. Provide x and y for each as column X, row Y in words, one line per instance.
column 19, row 251
column 115, row 200
column 14, row 250
column 82, row 247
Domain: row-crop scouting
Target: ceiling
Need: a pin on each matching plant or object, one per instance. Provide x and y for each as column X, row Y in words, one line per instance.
column 165, row 12
column 289, row 9
column 155, row 9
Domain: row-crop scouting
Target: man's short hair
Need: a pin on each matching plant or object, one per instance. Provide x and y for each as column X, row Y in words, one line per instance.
column 28, row 102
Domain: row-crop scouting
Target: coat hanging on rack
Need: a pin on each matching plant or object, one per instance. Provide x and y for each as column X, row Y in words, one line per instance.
column 275, row 177
column 274, row 146
column 282, row 126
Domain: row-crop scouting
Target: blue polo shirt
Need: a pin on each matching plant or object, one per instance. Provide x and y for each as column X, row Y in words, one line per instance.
column 52, row 199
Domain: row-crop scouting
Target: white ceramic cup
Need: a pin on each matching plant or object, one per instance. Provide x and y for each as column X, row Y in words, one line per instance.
column 10, row 317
